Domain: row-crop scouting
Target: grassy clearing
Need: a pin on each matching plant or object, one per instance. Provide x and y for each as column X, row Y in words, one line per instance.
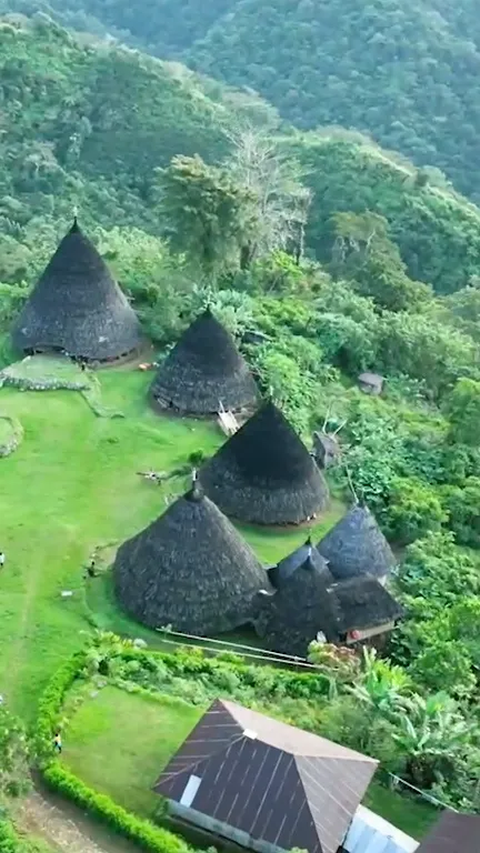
column 47, row 368
column 70, row 487
column 119, row 742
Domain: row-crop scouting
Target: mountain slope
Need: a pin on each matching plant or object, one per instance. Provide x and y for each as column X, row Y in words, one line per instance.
column 391, row 67
column 85, row 125
column 405, row 72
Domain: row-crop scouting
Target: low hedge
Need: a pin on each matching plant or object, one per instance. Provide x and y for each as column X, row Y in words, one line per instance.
column 142, row 832
column 50, row 706
column 195, row 663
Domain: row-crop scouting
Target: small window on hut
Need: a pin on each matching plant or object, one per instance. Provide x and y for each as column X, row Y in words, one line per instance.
column 190, row 791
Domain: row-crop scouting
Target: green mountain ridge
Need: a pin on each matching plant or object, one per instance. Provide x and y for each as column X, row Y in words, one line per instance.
column 405, row 73
column 86, row 124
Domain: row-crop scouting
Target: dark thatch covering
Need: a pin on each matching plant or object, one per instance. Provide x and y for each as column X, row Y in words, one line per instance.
column 77, row 307
column 362, row 603
column 203, row 370
column 265, row 474
column 357, row 546
column 190, row 569
column 291, row 618
column 282, row 572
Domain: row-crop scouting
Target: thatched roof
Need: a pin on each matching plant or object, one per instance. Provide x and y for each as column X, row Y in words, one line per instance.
column 265, row 474
column 189, row 569
column 77, row 307
column 204, row 370
column 282, row 572
column 357, row 546
column 362, row 603
column 291, row 618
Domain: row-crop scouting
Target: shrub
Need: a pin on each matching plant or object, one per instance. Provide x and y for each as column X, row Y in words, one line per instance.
column 463, row 505
column 413, row 510
column 50, row 705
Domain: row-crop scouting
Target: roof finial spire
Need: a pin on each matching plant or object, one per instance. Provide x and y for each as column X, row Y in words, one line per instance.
column 75, row 218
column 196, row 492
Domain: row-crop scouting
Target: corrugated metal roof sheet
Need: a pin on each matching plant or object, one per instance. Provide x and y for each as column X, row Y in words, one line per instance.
column 369, row 833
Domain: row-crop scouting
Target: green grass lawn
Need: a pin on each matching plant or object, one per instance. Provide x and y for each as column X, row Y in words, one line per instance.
column 119, row 743
column 71, row 486
column 412, row 816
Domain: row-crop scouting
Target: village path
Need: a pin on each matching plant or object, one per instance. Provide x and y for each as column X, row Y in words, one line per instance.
column 64, row 827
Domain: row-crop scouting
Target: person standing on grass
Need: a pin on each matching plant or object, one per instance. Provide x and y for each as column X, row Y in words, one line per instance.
column 2, row 559
column 57, row 742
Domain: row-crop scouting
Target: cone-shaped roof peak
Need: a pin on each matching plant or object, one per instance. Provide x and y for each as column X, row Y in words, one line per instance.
column 77, row 306
column 204, row 371
column 190, row 569
column 301, row 607
column 306, row 556
column 195, row 492
column 75, row 226
column 268, row 450
column 356, row 546
column 265, row 474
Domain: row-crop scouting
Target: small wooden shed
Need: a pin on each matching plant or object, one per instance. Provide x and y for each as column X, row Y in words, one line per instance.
column 371, row 383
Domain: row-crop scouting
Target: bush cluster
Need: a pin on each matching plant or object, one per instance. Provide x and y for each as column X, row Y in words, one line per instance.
column 142, row 832
column 102, row 807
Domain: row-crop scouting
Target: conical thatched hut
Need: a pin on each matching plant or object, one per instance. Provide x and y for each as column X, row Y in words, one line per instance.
column 356, row 546
column 76, row 307
column 291, row 618
column 281, row 573
column 203, row 372
column 190, row 569
column 305, row 605
column 264, row 473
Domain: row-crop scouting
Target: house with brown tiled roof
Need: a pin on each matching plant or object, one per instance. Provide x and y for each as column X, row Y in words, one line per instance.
column 263, row 784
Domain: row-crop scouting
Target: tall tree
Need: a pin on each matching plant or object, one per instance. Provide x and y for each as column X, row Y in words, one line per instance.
column 282, row 202
column 364, row 253
column 210, row 217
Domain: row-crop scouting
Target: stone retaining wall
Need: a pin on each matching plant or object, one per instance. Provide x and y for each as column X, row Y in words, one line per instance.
column 9, row 445
column 45, row 384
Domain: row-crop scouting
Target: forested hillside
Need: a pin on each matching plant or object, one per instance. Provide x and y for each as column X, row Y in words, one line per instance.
column 87, row 125
column 405, row 72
